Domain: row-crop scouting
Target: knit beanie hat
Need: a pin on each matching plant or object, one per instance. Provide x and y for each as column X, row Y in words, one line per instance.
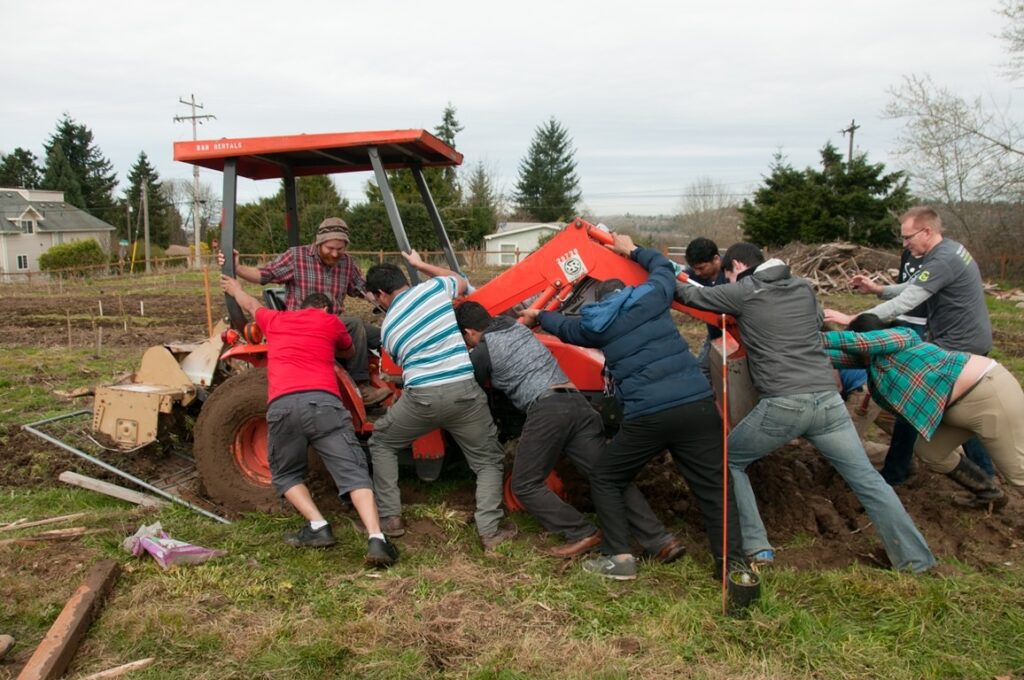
column 330, row 229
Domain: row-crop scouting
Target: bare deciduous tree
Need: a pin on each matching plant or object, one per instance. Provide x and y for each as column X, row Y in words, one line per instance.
column 708, row 209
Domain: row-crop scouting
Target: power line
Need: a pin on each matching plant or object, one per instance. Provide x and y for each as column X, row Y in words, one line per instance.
column 196, row 119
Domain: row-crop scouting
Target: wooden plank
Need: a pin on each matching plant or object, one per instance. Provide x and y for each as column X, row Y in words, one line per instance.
column 118, row 671
column 54, row 535
column 109, row 489
column 54, row 653
column 22, row 524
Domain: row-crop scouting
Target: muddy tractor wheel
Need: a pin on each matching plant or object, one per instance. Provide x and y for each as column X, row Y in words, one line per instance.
column 230, row 446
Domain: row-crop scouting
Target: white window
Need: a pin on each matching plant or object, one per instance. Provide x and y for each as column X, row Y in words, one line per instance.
column 26, row 226
column 508, row 253
column 22, row 262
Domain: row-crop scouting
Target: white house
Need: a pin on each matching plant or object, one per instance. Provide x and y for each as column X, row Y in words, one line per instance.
column 32, row 221
column 516, row 237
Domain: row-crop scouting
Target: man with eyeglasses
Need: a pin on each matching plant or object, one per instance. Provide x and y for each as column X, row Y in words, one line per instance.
column 949, row 286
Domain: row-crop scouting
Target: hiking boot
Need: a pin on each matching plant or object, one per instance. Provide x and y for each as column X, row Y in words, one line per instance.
column 569, row 550
column 766, row 556
column 618, row 569
column 373, row 395
column 381, row 553
column 308, row 537
column 393, row 526
column 504, row 533
column 670, row 552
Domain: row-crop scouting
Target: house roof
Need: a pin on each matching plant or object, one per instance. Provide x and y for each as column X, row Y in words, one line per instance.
column 49, row 211
column 510, row 228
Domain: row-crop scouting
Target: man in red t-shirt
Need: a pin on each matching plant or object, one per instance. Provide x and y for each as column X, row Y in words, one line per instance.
column 304, row 409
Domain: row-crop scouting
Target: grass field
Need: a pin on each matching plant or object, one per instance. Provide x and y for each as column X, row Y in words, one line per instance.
column 446, row 610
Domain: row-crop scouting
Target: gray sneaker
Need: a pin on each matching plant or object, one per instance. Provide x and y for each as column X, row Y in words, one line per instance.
column 505, row 532
column 381, row 553
column 307, row 537
column 623, row 569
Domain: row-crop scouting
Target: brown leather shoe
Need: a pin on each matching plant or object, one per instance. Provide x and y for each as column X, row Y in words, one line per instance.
column 672, row 551
column 393, row 526
column 577, row 548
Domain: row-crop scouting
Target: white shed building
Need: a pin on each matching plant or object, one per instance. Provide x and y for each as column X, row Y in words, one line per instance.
column 516, row 240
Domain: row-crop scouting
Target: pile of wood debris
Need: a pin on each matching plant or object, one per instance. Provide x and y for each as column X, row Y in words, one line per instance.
column 830, row 266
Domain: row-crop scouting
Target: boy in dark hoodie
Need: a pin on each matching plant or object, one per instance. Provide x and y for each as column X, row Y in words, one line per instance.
column 666, row 402
column 780, row 321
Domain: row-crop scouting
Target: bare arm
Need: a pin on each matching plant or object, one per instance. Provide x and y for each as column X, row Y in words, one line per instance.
column 414, row 259
column 233, row 288
column 242, row 271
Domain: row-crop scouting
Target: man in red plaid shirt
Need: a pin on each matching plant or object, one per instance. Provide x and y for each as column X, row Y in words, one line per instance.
column 325, row 267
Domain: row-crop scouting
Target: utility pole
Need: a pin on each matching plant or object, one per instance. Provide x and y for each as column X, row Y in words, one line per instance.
column 145, row 223
column 196, row 120
column 849, row 131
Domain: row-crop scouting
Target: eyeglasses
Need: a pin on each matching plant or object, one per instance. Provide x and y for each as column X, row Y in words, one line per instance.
column 910, row 237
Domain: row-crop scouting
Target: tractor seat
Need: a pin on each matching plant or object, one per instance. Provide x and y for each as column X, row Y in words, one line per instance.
column 274, row 298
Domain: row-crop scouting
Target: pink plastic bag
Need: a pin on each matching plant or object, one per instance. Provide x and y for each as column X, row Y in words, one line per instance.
column 167, row 551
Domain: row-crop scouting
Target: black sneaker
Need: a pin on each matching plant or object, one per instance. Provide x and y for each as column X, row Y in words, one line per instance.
column 308, row 537
column 381, row 553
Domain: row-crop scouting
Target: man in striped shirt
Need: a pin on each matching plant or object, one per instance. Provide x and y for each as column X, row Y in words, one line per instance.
column 421, row 335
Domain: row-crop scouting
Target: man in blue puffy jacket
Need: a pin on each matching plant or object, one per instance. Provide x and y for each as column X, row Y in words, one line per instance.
column 667, row 403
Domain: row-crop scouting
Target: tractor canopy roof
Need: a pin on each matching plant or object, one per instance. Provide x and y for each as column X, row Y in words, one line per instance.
column 319, row 154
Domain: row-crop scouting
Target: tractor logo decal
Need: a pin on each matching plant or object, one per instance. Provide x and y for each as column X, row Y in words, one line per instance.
column 572, row 265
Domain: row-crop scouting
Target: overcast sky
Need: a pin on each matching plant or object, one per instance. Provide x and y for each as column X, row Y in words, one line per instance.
column 654, row 94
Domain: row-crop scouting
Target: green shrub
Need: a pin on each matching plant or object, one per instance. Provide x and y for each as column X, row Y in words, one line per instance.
column 77, row 254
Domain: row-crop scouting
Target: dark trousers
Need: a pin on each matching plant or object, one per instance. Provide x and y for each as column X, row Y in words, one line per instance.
column 560, row 423
column 364, row 336
column 692, row 433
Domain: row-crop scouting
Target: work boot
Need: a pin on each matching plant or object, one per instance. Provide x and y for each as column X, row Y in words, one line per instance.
column 985, row 492
column 373, row 395
column 308, row 537
column 505, row 532
column 670, row 552
column 569, row 550
column 381, row 553
column 393, row 526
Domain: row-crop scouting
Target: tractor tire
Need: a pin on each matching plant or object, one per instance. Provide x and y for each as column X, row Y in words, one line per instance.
column 230, row 444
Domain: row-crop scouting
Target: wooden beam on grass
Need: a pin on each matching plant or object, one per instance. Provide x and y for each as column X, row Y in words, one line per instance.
column 109, row 489
column 118, row 671
column 53, row 655
column 22, row 524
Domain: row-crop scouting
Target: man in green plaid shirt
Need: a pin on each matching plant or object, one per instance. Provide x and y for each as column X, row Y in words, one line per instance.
column 948, row 397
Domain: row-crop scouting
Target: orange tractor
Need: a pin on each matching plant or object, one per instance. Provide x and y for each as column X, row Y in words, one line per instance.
column 230, row 443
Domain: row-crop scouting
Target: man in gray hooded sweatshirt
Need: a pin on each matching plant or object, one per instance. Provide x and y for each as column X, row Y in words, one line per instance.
column 780, row 322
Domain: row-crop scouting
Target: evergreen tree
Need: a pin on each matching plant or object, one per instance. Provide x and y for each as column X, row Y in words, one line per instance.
column 20, row 170
column 60, row 175
column 851, row 201
column 164, row 220
column 482, row 206
column 93, row 173
column 548, row 188
column 261, row 225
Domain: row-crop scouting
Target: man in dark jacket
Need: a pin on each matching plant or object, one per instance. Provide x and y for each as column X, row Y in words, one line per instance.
column 667, row 404
column 559, row 420
column 780, row 322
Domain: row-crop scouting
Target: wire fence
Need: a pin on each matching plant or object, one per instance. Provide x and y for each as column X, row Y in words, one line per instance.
column 1006, row 268
column 469, row 259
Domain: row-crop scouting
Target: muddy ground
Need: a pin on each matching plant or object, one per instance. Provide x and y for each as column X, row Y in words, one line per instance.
column 808, row 510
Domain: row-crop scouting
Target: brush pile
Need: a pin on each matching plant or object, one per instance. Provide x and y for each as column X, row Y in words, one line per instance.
column 830, row 266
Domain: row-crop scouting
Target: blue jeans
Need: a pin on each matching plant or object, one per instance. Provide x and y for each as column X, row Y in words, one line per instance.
column 822, row 418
